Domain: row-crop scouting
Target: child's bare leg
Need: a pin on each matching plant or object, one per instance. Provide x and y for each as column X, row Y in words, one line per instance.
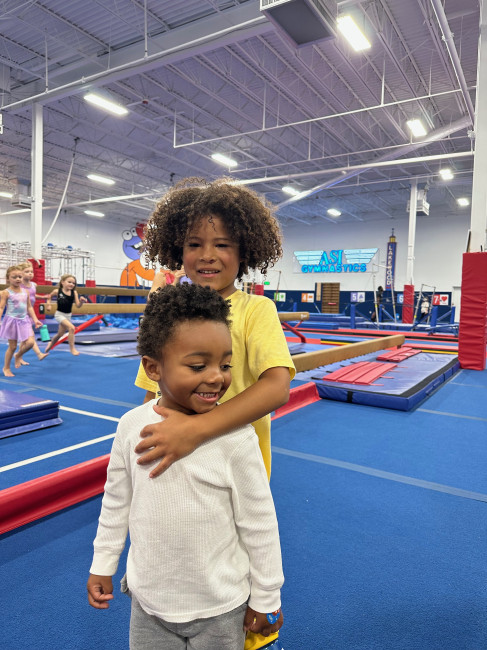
column 25, row 346
column 61, row 331
column 40, row 355
column 9, row 353
column 71, row 340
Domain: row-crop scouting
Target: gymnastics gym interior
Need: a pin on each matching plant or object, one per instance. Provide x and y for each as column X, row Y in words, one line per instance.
column 372, row 154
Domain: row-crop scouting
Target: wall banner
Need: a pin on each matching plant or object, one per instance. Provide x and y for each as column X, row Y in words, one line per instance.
column 391, row 261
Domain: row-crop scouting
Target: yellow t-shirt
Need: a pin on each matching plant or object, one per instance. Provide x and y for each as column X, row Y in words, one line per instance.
column 258, row 344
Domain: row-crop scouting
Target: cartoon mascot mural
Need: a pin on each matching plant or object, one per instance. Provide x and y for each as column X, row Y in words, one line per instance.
column 132, row 247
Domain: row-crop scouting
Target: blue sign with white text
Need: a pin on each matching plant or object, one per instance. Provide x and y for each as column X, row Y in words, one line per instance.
column 347, row 260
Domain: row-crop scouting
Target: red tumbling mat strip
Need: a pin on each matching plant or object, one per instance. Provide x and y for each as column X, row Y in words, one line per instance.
column 299, row 396
column 398, row 355
column 363, row 372
column 27, row 502
column 472, row 334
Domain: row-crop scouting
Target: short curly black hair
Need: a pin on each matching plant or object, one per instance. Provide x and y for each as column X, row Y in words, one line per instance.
column 175, row 304
column 247, row 216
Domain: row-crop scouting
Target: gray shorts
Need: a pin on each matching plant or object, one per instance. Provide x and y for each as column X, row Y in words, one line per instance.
column 60, row 316
column 223, row 632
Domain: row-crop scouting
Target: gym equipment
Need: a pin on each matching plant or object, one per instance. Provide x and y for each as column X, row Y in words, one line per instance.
column 20, row 413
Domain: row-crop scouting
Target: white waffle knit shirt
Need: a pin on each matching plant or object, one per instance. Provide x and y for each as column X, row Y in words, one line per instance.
column 203, row 535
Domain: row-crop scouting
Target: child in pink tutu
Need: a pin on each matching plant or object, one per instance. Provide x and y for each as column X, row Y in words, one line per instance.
column 66, row 296
column 31, row 288
column 16, row 325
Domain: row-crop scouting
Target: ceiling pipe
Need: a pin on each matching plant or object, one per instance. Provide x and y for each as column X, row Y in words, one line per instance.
column 107, row 199
column 452, row 51
column 462, row 123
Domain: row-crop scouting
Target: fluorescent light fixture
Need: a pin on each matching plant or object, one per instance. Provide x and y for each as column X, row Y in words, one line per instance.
column 446, row 174
column 333, row 212
column 349, row 28
column 94, row 213
column 416, row 127
column 106, row 104
column 463, row 202
column 224, row 160
column 101, row 179
column 6, row 195
column 290, row 190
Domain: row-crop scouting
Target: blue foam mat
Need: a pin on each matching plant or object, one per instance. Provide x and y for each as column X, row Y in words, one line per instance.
column 20, row 413
column 403, row 388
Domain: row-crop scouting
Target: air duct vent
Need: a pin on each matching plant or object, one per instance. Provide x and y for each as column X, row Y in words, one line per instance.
column 422, row 205
column 302, row 22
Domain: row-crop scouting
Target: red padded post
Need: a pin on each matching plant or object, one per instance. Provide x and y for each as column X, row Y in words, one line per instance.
column 472, row 334
column 408, row 304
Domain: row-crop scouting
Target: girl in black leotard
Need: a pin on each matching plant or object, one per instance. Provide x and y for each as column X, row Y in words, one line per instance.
column 66, row 295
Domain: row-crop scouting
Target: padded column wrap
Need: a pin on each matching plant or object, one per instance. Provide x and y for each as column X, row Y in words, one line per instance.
column 472, row 335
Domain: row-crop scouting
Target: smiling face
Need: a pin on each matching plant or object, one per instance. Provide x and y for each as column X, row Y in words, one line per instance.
column 210, row 257
column 193, row 372
column 68, row 284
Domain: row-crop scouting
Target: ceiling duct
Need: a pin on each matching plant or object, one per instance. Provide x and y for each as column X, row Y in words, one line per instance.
column 302, row 22
column 422, row 205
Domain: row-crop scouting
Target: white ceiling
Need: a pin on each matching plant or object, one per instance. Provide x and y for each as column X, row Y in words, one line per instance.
column 206, row 76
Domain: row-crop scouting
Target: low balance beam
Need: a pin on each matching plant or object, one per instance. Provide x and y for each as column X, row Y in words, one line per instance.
column 285, row 316
column 310, row 360
column 100, row 308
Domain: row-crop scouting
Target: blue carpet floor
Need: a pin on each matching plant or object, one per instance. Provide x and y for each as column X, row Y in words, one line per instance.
column 381, row 514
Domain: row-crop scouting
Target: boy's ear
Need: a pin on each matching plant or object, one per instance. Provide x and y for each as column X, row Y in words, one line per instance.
column 152, row 368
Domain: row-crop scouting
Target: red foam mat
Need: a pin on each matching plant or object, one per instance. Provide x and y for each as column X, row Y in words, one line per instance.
column 472, row 334
column 299, row 396
column 27, row 502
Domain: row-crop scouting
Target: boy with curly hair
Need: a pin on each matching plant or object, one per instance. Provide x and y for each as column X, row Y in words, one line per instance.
column 219, row 231
column 204, row 563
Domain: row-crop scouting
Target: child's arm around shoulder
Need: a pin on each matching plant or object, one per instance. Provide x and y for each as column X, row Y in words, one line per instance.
column 180, row 434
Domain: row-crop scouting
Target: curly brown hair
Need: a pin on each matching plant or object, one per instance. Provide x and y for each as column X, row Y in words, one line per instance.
column 172, row 305
column 247, row 216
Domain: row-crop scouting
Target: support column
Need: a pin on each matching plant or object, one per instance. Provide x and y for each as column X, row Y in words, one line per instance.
column 478, row 217
column 408, row 294
column 36, row 181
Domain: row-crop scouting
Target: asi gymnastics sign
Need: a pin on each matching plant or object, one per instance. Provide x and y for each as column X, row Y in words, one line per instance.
column 347, row 260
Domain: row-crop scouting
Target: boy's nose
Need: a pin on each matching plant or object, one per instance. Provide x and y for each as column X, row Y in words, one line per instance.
column 208, row 253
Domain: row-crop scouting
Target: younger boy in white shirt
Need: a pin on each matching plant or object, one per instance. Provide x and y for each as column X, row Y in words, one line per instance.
column 204, row 564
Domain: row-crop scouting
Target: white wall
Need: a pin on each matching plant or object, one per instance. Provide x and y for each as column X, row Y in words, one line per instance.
column 102, row 238
column 440, row 243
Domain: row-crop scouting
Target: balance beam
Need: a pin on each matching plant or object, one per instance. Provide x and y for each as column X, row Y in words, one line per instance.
column 99, row 308
column 94, row 291
column 311, row 360
column 293, row 315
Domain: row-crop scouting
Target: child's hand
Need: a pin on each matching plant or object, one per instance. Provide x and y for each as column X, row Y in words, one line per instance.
column 83, row 299
column 258, row 623
column 169, row 440
column 100, row 591
column 38, row 324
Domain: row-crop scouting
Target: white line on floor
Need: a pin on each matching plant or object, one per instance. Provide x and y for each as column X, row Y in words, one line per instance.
column 89, row 413
column 50, row 454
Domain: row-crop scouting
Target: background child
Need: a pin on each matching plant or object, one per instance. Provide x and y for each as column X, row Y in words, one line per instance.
column 31, row 287
column 204, row 537
column 219, row 231
column 16, row 325
column 66, row 295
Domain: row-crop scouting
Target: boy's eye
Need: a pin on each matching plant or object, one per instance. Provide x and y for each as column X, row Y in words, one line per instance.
column 226, row 366
column 197, row 368
column 193, row 245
